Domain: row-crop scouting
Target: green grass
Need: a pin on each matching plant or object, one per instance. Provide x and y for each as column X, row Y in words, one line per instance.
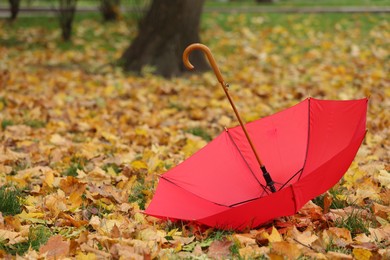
column 234, row 3
column 44, row 25
column 35, row 123
column 324, row 22
column 37, row 236
column 116, row 168
column 335, row 193
column 355, row 223
column 138, row 194
column 331, row 246
column 5, row 123
column 10, row 201
column 200, row 132
column 298, row 3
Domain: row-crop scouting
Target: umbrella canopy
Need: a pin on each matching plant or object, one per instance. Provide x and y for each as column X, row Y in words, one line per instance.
column 307, row 148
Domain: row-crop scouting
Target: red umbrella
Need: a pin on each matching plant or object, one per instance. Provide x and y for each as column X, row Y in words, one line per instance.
column 307, row 148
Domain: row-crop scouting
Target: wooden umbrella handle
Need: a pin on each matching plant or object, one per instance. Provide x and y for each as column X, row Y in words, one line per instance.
column 213, row 63
column 210, row 57
column 206, row 50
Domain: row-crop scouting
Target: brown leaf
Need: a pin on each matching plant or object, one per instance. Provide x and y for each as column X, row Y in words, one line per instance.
column 56, row 203
column 245, row 239
column 380, row 234
column 55, row 248
column 313, row 211
column 368, row 246
column 71, row 185
column 338, row 256
column 381, row 211
column 306, row 238
column 219, row 249
column 339, row 236
column 327, row 202
column 115, row 232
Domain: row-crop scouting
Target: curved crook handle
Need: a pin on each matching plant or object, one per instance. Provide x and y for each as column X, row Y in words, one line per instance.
column 206, row 50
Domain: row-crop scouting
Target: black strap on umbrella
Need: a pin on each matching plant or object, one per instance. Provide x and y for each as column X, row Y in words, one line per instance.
column 268, row 179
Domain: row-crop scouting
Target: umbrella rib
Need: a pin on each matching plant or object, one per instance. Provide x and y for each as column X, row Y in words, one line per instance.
column 246, row 162
column 295, row 174
column 308, row 137
column 300, row 171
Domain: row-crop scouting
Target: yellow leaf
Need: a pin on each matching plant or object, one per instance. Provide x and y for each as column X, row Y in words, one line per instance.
column 89, row 256
column 141, row 131
column 137, row 165
column 286, row 249
column 353, row 175
column 178, row 247
column 192, row 146
column 384, row 178
column 361, row 254
column 34, row 217
column 274, row 236
column 253, row 252
column 172, row 232
column 111, row 172
column 109, row 137
column 49, row 178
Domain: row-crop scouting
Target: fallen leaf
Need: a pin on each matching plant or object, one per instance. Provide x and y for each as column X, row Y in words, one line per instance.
column 380, row 234
column 55, row 248
column 338, row 256
column 219, row 249
column 327, row 202
column 361, row 254
column 306, row 238
column 285, row 249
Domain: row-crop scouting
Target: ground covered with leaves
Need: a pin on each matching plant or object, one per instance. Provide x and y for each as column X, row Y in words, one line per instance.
column 82, row 143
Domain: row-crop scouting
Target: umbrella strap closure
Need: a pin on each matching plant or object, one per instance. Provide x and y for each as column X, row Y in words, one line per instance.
column 268, row 179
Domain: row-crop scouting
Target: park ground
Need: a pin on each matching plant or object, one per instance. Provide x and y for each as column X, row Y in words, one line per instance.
column 83, row 143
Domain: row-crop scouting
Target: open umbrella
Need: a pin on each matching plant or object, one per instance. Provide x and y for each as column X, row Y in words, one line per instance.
column 307, row 148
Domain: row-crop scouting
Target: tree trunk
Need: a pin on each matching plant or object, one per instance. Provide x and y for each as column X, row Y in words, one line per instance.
column 66, row 16
column 14, row 8
column 166, row 30
column 110, row 10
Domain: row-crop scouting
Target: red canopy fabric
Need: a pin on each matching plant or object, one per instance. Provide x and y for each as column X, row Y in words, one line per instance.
column 306, row 148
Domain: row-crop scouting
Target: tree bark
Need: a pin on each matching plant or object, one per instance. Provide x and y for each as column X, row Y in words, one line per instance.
column 14, row 8
column 66, row 13
column 110, row 10
column 166, row 30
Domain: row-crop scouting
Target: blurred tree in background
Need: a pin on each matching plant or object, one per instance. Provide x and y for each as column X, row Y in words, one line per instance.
column 14, row 8
column 167, row 29
column 66, row 12
column 110, row 9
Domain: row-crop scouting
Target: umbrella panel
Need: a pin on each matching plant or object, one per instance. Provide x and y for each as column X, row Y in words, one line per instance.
column 307, row 148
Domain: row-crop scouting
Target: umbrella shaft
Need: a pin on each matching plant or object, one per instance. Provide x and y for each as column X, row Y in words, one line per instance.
column 225, row 88
column 267, row 177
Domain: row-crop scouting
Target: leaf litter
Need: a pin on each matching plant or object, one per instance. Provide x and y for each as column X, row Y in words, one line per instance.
column 83, row 144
